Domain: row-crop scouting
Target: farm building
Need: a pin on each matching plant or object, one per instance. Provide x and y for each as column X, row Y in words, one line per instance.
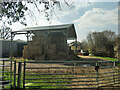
column 5, row 48
column 48, row 42
column 75, row 46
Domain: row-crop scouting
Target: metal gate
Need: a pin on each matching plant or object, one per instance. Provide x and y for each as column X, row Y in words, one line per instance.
column 5, row 73
column 69, row 74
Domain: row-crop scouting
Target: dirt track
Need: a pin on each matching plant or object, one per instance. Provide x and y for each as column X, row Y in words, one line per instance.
column 88, row 58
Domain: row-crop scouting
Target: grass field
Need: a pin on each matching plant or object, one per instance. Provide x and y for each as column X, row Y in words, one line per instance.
column 106, row 58
column 46, row 83
column 43, row 81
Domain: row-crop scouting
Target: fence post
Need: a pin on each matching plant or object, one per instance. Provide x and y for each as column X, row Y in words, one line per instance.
column 24, row 75
column 3, row 73
column 114, row 64
column 11, row 72
column 15, row 73
column 97, row 74
column 74, row 68
column 119, row 75
column 19, row 73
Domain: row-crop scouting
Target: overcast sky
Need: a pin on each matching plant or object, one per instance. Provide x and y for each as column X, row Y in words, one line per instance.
column 86, row 16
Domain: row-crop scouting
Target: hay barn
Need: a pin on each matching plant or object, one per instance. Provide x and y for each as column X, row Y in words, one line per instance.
column 49, row 42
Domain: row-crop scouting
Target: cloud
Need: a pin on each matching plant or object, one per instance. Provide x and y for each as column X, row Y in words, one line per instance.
column 97, row 19
column 34, row 18
column 104, row 0
column 73, row 8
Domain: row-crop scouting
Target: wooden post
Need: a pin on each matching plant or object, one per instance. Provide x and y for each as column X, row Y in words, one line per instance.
column 15, row 73
column 45, row 45
column 66, row 36
column 11, row 48
column 19, row 73
column 11, row 51
column 27, row 37
column 76, row 46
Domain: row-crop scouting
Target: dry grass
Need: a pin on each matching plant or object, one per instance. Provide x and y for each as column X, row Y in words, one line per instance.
column 76, row 72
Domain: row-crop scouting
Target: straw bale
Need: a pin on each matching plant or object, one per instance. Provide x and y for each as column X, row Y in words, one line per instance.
column 52, row 46
column 29, row 42
column 39, row 39
column 41, row 57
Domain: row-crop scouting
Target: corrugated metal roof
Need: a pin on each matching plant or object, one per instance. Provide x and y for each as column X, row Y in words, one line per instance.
column 69, row 27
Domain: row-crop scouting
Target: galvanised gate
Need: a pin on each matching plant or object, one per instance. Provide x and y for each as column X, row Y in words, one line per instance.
column 70, row 74
column 58, row 74
column 5, row 73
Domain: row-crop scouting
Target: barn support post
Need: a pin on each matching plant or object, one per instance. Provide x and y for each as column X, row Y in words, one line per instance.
column 28, row 34
column 66, row 36
column 76, row 46
column 45, row 46
column 27, row 37
column 11, row 46
column 11, row 49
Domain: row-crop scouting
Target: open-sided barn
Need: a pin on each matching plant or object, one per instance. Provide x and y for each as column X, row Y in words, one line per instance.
column 48, row 42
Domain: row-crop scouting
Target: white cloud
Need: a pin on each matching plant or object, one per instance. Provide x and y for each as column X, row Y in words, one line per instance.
column 104, row 0
column 97, row 19
column 38, row 19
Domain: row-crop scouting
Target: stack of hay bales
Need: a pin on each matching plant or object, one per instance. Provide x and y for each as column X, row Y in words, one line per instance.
column 50, row 48
column 34, row 49
column 51, row 51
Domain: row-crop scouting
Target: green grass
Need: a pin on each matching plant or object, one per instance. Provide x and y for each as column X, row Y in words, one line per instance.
column 42, row 85
column 47, row 85
column 106, row 58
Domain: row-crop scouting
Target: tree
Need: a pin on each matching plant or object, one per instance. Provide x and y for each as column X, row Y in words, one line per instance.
column 101, row 43
column 84, row 45
column 117, row 46
column 12, row 12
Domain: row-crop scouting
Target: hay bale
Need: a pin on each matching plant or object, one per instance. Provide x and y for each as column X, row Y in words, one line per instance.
column 53, row 46
column 41, row 57
column 38, row 38
column 29, row 43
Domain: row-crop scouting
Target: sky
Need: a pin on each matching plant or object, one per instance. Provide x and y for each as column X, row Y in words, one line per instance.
column 87, row 16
